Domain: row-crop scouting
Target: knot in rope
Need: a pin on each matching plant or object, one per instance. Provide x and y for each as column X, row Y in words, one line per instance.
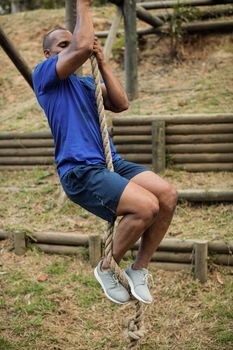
column 133, row 331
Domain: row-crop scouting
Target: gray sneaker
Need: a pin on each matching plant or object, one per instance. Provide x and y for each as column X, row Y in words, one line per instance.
column 111, row 286
column 138, row 284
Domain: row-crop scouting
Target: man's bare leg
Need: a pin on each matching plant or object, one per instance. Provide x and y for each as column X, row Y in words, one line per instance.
column 167, row 197
column 149, row 215
column 139, row 209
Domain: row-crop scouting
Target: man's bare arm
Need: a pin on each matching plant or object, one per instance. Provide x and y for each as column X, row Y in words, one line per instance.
column 115, row 98
column 81, row 45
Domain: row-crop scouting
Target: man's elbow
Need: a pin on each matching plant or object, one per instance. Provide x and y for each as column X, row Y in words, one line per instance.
column 123, row 106
column 87, row 49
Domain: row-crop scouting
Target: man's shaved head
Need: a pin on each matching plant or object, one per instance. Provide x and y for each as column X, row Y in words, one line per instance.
column 48, row 40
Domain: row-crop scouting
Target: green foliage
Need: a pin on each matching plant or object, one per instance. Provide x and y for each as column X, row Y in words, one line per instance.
column 180, row 16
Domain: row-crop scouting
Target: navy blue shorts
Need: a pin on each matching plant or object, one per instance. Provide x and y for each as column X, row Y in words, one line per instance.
column 97, row 189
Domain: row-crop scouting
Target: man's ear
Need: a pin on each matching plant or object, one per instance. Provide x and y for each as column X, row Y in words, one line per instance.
column 47, row 53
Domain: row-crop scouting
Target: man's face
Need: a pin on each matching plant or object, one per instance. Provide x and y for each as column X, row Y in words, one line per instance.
column 60, row 39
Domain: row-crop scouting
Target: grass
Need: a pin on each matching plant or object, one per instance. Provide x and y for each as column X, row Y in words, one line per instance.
column 69, row 310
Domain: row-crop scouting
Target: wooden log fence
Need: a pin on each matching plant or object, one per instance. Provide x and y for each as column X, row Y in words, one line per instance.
column 188, row 142
column 172, row 254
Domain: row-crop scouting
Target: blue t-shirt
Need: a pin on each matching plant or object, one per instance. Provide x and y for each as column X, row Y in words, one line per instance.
column 70, row 106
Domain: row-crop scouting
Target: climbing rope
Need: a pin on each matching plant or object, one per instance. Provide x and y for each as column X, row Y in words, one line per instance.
column 134, row 329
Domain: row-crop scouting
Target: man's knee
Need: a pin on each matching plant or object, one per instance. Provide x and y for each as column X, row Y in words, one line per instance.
column 150, row 211
column 168, row 199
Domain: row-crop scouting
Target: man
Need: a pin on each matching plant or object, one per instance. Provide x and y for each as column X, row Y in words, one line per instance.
column 144, row 200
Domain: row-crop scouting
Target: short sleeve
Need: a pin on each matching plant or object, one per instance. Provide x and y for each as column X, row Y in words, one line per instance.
column 45, row 76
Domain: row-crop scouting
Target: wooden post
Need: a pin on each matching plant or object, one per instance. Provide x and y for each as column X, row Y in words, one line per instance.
column 131, row 54
column 19, row 243
column 158, row 146
column 112, row 33
column 95, row 251
column 15, row 57
column 201, row 255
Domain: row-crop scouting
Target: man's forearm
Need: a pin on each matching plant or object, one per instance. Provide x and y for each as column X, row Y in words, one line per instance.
column 116, row 95
column 83, row 35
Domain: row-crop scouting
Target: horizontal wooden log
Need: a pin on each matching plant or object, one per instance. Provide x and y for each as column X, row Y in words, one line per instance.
column 150, row 5
column 172, row 245
column 203, row 138
column 147, row 17
column 202, row 167
column 199, row 148
column 223, row 259
column 133, row 148
column 202, row 195
column 172, row 266
column 3, row 235
column 138, row 158
column 172, row 257
column 57, row 249
column 6, row 152
column 63, row 238
column 145, row 139
column 176, row 129
column 202, row 14
column 25, row 135
column 185, row 129
column 202, row 158
column 203, row 27
column 22, row 143
column 220, row 247
column 26, row 160
column 173, row 119
column 132, row 130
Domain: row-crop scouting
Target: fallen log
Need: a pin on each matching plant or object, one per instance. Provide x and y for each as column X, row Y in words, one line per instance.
column 202, row 195
column 202, row 167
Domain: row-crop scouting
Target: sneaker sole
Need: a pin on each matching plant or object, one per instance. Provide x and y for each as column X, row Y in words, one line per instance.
column 133, row 290
column 105, row 292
